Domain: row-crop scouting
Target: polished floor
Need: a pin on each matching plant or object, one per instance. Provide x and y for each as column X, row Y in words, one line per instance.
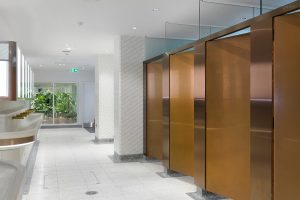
column 69, row 164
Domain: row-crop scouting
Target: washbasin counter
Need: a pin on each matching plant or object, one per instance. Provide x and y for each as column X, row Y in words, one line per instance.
column 19, row 131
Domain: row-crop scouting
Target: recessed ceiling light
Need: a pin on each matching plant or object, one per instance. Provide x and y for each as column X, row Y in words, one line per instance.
column 155, row 9
column 67, row 51
column 80, row 23
column 134, row 27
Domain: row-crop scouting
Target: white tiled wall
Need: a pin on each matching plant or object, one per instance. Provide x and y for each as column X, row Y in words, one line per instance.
column 105, row 96
column 129, row 95
column 117, row 115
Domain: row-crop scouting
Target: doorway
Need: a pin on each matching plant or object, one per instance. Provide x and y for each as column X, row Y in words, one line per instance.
column 58, row 102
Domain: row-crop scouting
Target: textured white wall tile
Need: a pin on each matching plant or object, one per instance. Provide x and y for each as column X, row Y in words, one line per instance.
column 129, row 101
column 105, row 96
column 117, row 71
column 97, row 100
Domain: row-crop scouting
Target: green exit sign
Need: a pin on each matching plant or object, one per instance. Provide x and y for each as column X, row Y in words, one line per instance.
column 74, row 70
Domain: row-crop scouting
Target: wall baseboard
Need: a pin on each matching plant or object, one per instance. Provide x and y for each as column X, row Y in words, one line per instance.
column 103, row 140
column 201, row 194
column 127, row 158
column 61, row 126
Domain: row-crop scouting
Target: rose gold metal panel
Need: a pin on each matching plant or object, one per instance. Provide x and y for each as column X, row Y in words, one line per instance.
column 7, row 142
column 286, row 107
column 182, row 113
column 199, row 116
column 13, row 71
column 154, row 110
column 166, row 111
column 228, row 117
column 261, row 88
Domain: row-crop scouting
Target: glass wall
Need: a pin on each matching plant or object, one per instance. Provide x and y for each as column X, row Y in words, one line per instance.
column 58, row 102
column 205, row 18
column 24, row 77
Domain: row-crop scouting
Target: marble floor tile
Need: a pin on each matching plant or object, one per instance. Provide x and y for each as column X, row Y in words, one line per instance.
column 69, row 164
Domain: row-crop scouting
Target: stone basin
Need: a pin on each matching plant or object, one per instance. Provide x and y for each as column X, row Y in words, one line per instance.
column 18, row 132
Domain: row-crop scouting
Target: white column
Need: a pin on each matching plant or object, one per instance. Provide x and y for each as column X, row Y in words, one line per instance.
column 129, row 55
column 104, row 74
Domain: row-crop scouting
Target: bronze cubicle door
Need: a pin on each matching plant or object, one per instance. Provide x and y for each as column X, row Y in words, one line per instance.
column 154, row 134
column 228, row 117
column 182, row 112
column 287, row 107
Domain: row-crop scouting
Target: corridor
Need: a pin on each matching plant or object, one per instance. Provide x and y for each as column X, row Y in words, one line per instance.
column 68, row 164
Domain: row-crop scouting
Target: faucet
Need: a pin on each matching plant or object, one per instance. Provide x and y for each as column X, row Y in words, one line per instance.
column 23, row 114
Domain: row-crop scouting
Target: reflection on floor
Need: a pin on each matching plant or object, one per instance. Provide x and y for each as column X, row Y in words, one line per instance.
column 69, row 164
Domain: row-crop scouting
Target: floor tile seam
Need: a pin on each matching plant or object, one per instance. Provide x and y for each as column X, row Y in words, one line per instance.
column 44, row 181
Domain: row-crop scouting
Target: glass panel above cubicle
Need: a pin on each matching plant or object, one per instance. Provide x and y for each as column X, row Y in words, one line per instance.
column 273, row 4
column 214, row 16
column 205, row 17
column 157, row 46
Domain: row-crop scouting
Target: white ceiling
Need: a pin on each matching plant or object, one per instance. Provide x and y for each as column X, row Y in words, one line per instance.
column 43, row 28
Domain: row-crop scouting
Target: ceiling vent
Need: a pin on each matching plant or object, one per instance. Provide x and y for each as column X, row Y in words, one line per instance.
column 67, row 51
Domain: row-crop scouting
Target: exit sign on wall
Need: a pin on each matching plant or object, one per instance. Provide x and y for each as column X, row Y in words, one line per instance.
column 74, row 70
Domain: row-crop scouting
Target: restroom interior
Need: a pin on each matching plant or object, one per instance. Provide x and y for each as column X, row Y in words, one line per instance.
column 214, row 118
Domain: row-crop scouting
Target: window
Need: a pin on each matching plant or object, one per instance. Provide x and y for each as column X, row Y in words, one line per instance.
column 4, row 78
